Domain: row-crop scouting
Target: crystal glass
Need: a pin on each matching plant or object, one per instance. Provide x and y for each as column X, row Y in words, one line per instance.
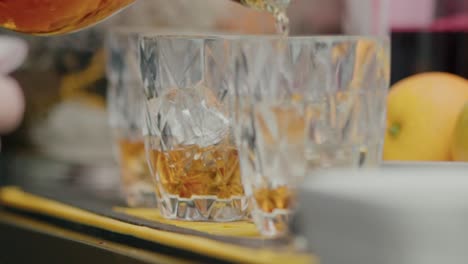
column 189, row 140
column 304, row 103
column 126, row 105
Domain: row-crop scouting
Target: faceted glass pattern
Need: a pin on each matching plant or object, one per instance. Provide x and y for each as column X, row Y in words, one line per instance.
column 189, row 137
column 304, row 103
column 125, row 105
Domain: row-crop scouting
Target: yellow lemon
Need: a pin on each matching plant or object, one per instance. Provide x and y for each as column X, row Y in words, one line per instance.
column 460, row 137
column 421, row 114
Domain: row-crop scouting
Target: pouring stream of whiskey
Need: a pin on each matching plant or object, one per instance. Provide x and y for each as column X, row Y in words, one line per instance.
column 277, row 8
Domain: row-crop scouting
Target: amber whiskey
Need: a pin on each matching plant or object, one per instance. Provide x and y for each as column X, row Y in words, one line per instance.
column 204, row 171
column 136, row 178
column 47, row 17
column 55, row 16
column 269, row 199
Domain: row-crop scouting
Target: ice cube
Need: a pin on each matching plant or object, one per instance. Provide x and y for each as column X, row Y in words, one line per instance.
column 189, row 116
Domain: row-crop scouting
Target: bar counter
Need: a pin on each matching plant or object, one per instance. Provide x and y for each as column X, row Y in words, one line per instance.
column 54, row 212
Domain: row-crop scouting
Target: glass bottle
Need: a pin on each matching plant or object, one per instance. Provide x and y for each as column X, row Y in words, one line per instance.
column 51, row 17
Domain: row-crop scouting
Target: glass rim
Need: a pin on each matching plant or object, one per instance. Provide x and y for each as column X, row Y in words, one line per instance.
column 154, row 36
column 143, row 30
column 152, row 33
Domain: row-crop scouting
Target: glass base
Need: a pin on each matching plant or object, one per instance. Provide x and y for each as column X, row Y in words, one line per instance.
column 272, row 224
column 203, row 208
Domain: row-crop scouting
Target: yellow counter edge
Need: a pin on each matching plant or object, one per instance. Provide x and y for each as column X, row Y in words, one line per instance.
column 15, row 197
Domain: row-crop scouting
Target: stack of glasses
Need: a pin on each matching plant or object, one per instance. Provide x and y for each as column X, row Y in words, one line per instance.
column 233, row 124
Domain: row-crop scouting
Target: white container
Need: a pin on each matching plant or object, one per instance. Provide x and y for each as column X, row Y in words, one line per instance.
column 400, row 214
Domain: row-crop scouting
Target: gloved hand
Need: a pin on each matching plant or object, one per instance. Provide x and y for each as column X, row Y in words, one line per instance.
column 13, row 52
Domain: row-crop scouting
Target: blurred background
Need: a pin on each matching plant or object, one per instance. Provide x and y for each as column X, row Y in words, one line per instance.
column 64, row 79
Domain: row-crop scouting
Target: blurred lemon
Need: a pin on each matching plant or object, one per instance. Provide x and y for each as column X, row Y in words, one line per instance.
column 460, row 137
column 422, row 111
